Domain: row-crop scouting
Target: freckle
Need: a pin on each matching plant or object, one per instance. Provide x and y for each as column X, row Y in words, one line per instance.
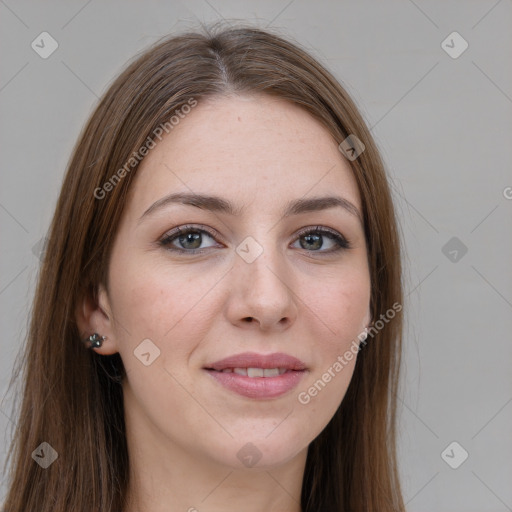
column 239, row 118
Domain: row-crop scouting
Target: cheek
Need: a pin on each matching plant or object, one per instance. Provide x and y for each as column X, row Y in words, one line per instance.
column 341, row 303
column 158, row 301
column 341, row 306
column 175, row 310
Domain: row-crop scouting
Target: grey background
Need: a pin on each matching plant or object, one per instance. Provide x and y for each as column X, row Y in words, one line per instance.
column 444, row 128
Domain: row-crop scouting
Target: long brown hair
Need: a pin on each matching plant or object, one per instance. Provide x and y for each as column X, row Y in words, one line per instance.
column 72, row 397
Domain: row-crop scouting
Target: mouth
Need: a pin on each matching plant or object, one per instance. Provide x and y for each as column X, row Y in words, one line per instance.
column 254, row 372
column 256, row 362
column 258, row 376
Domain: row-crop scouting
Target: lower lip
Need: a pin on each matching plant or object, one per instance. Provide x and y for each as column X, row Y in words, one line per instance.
column 259, row 387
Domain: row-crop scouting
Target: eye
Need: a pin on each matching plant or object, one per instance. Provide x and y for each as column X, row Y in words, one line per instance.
column 313, row 239
column 187, row 239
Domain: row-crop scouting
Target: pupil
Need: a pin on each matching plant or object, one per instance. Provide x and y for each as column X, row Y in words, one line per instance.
column 191, row 237
column 317, row 239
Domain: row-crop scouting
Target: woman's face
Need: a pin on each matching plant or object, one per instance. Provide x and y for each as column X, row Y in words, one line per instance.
column 251, row 280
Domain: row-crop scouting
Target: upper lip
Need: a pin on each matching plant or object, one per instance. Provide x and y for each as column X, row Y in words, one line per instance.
column 254, row 360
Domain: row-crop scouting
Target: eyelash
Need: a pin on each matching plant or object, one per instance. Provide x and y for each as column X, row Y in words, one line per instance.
column 166, row 241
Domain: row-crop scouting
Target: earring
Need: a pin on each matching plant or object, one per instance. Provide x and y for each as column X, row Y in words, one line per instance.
column 95, row 340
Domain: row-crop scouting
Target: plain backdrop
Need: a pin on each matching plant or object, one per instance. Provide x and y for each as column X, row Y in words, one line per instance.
column 441, row 116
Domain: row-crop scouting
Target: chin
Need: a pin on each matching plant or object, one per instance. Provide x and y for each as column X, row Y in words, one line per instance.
column 258, row 452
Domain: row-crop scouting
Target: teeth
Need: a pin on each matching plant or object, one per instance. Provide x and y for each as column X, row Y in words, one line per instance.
column 257, row 372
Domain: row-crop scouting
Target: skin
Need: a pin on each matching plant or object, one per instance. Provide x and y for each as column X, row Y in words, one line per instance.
column 184, row 430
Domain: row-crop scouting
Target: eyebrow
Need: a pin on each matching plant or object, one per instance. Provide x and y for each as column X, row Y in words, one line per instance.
column 218, row 204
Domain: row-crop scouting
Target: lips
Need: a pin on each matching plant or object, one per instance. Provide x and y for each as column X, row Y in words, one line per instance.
column 253, row 360
column 258, row 376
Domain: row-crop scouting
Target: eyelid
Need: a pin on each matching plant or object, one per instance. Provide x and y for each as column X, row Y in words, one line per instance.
column 322, row 229
column 185, row 228
column 342, row 242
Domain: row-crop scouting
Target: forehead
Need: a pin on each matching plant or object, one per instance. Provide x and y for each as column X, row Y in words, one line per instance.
column 248, row 148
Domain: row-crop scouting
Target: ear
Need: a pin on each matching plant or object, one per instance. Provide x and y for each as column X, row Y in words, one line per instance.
column 93, row 315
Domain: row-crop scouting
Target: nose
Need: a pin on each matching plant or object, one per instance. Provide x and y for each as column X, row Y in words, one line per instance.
column 262, row 293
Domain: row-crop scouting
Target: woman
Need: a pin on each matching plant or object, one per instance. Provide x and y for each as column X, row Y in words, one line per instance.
column 217, row 323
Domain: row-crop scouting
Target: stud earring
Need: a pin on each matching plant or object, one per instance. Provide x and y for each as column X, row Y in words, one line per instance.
column 95, row 340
